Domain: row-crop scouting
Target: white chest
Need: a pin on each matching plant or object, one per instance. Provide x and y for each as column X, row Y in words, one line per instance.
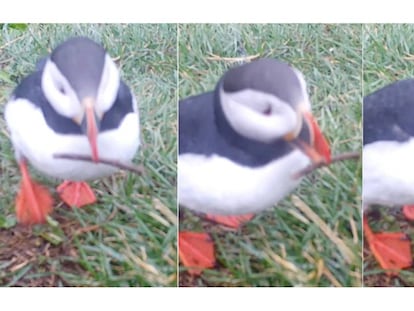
column 217, row 185
column 388, row 173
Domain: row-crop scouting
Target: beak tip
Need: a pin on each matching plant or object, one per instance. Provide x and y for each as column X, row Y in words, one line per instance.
column 320, row 143
column 95, row 156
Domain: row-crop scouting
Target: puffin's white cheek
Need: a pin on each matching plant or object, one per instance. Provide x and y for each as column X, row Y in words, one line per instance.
column 257, row 115
column 59, row 93
column 269, row 128
column 108, row 87
column 261, row 126
column 64, row 105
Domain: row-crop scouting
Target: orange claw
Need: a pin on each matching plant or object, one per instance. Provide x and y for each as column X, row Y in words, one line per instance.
column 76, row 194
column 391, row 249
column 196, row 251
column 33, row 202
column 408, row 211
column 230, row 221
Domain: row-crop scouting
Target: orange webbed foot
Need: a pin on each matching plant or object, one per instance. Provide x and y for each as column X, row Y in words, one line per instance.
column 392, row 250
column 196, row 251
column 408, row 211
column 76, row 194
column 235, row 221
column 33, row 202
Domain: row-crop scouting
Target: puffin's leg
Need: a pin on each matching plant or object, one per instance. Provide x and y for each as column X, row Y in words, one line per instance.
column 235, row 221
column 33, row 202
column 408, row 211
column 196, row 251
column 391, row 249
column 76, row 194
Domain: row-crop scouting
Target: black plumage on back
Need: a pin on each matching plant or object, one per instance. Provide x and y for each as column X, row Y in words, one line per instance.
column 388, row 113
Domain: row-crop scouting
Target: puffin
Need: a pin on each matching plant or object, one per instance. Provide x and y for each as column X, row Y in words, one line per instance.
column 240, row 148
column 388, row 147
column 74, row 102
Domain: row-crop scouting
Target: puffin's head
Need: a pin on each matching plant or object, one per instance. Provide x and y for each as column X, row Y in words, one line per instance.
column 266, row 100
column 81, row 82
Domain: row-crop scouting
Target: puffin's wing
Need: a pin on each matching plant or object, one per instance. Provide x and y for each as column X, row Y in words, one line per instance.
column 388, row 113
column 196, row 124
column 41, row 63
column 124, row 104
column 30, row 88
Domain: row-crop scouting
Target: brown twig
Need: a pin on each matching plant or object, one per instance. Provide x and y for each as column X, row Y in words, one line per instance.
column 233, row 59
column 129, row 167
column 337, row 158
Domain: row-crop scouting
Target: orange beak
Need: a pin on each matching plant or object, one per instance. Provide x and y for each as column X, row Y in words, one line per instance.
column 91, row 127
column 319, row 151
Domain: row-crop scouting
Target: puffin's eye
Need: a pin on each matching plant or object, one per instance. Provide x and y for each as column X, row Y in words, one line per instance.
column 268, row 110
column 59, row 86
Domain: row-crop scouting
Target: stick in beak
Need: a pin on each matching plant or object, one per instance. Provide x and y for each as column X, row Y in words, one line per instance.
column 90, row 126
column 319, row 151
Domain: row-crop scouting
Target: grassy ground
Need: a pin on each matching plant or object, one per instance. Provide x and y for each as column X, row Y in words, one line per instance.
column 129, row 237
column 388, row 57
column 313, row 237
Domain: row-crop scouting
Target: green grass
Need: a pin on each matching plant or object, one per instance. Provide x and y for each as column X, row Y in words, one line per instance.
column 283, row 246
column 388, row 57
column 129, row 237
